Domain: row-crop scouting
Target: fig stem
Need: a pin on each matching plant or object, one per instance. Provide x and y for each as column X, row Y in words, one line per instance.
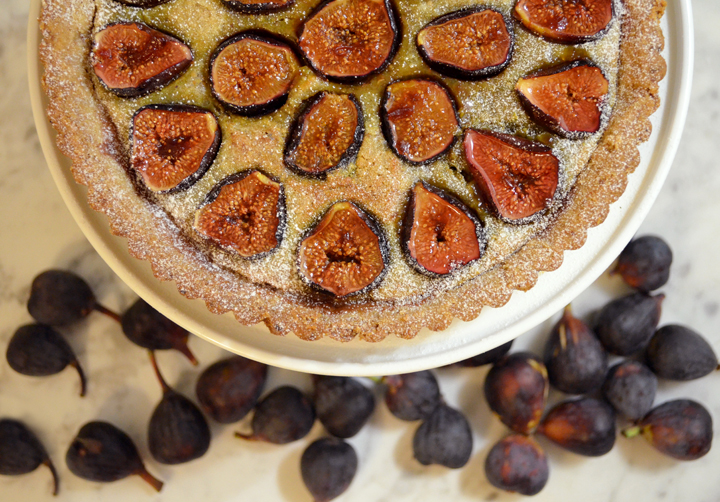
column 249, row 437
column 163, row 383
column 150, row 479
column 56, row 480
column 377, row 380
column 83, row 382
column 111, row 314
column 631, row 432
column 567, row 311
column 185, row 350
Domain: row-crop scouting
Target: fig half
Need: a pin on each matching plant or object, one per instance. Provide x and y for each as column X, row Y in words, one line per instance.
column 258, row 6
column 515, row 177
column 419, row 119
column 244, row 213
column 468, row 44
column 132, row 59
column 251, row 73
column 326, row 135
column 173, row 145
column 440, row 234
column 566, row 21
column 345, row 253
column 350, row 40
column 568, row 99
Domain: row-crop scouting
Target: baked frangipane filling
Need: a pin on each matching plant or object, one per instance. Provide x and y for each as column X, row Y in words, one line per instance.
column 354, row 167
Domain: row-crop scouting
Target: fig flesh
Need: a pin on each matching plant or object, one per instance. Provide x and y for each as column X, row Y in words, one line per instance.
column 469, row 44
column 515, row 177
column 345, row 253
column 132, row 59
column 518, row 464
column 258, row 6
column 173, row 145
column 440, row 234
column 566, row 21
column 568, row 99
column 419, row 119
column 244, row 213
column 21, row 452
column 350, row 40
column 585, row 426
column 252, row 73
column 326, row 135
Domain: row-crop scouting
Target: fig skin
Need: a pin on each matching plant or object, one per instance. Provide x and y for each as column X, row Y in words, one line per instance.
column 489, row 357
column 21, row 452
column 518, row 464
column 644, row 264
column 328, row 466
column 557, row 30
column 679, row 353
column 283, row 416
column 205, row 162
column 270, row 105
column 406, row 233
column 412, row 396
column 558, row 124
column 295, row 137
column 444, row 438
column 516, row 389
column 630, row 388
column 151, row 82
column 259, row 7
column 585, row 426
column 356, row 77
column 456, row 71
column 682, row 429
column 343, row 405
column 625, row 325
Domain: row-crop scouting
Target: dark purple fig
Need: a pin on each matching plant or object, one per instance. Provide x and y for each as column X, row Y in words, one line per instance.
column 516, row 389
column 625, row 326
column 585, row 426
column 517, row 464
column 39, row 350
column 132, row 59
column 328, row 467
column 489, row 357
column 443, row 438
column 101, row 452
column 178, row 431
column 566, row 21
column 258, row 6
column 630, row 388
column 679, row 353
column 21, row 452
column 343, row 405
column 326, row 135
column 230, row 388
column 60, row 297
column 575, row 359
column 148, row 328
column 412, row 396
column 681, row 429
column 350, row 40
column 251, row 73
column 283, row 416
column 644, row 264
column 469, row 44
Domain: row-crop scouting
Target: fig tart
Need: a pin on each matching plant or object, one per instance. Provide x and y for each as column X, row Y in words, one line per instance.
column 352, row 168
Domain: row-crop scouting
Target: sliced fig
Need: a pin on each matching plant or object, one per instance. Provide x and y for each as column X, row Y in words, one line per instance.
column 566, row 21
column 440, row 234
column 419, row 119
column 173, row 145
column 345, row 253
column 132, row 59
column 252, row 73
column 350, row 40
column 516, row 178
column 327, row 134
column 244, row 213
column 568, row 99
column 143, row 4
column 258, row 6
column 469, row 44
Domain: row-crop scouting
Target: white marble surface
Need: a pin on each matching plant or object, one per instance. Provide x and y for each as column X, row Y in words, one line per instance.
column 37, row 232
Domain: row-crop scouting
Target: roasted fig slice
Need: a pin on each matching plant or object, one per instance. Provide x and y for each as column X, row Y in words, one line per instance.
column 468, row 44
column 327, row 134
column 566, row 21
column 244, row 213
column 419, row 119
column 350, row 40
column 258, row 6
column 132, row 59
column 567, row 99
column 345, row 253
column 173, row 145
column 440, row 234
column 515, row 177
column 251, row 73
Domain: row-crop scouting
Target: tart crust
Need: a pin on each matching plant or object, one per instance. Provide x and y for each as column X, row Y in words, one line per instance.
column 89, row 138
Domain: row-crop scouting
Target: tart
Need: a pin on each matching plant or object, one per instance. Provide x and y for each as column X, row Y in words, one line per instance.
column 352, row 168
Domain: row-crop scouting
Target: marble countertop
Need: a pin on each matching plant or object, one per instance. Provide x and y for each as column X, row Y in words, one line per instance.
column 38, row 233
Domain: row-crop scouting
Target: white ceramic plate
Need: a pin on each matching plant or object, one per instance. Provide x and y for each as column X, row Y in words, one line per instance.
column 429, row 349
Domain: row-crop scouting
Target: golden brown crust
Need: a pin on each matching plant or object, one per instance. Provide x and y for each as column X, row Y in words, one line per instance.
column 86, row 135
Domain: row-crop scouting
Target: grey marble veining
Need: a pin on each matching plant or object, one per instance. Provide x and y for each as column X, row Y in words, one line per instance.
column 37, row 232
